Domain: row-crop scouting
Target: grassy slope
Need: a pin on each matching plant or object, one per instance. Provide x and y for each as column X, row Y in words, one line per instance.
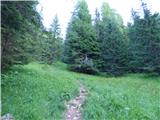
column 37, row 92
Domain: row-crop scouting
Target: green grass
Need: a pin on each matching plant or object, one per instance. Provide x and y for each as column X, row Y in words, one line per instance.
column 132, row 97
column 37, row 92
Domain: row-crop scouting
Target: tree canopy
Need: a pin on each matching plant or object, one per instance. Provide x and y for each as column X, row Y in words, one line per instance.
column 99, row 44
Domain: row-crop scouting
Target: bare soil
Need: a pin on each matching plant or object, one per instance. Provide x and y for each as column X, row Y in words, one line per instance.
column 74, row 106
column 7, row 116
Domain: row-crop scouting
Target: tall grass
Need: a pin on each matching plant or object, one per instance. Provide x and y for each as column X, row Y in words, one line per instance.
column 38, row 92
column 133, row 97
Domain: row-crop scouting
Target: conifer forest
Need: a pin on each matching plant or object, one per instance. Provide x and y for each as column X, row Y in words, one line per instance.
column 101, row 69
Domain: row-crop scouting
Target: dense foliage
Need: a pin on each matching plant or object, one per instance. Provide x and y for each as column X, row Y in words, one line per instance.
column 20, row 27
column 113, row 42
column 81, row 49
column 110, row 47
column 103, row 44
column 24, row 39
column 53, row 43
column 144, row 45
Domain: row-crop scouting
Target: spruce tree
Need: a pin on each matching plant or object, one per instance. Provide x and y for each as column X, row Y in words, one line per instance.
column 145, row 41
column 53, row 44
column 113, row 42
column 20, row 27
column 98, row 26
column 80, row 45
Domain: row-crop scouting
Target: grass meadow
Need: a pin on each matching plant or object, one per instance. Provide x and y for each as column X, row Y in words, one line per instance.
column 38, row 92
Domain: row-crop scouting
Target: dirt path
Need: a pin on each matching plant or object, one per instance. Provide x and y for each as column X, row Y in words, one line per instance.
column 74, row 106
column 7, row 116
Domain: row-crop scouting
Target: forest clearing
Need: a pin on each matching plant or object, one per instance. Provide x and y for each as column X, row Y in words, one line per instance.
column 80, row 60
column 37, row 91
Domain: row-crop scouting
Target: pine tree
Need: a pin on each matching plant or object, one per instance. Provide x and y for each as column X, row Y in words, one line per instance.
column 113, row 42
column 98, row 26
column 80, row 45
column 145, row 41
column 53, row 45
column 20, row 25
column 55, row 27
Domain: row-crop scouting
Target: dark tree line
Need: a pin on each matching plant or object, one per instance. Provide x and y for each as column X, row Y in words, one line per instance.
column 103, row 45
column 24, row 38
column 106, row 45
column 144, row 44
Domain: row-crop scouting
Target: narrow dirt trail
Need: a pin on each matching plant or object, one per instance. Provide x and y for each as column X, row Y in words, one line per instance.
column 74, row 106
